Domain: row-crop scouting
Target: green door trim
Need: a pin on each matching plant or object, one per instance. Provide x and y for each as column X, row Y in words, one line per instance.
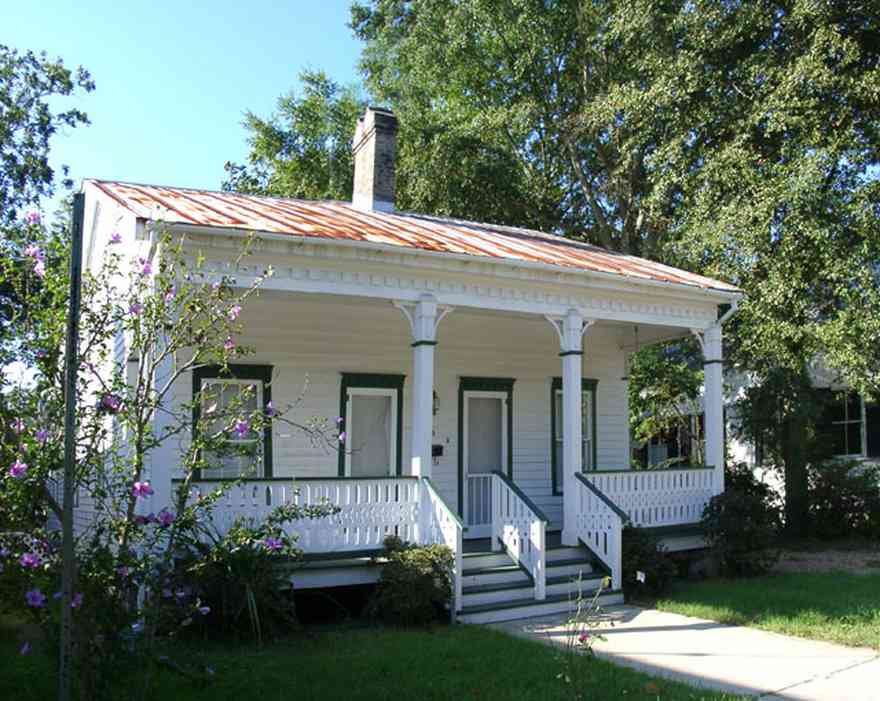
column 483, row 384
column 587, row 385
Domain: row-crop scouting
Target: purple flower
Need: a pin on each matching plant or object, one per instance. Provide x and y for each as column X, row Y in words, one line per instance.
column 35, row 598
column 40, row 268
column 123, row 571
column 18, row 426
column 151, row 518
column 166, row 593
column 215, row 285
column 35, row 252
column 32, row 218
column 165, row 518
column 140, row 520
column 270, row 410
column 242, row 428
column 229, row 345
column 18, row 468
column 4, row 552
column 135, row 308
column 170, row 294
column 30, row 560
column 180, row 594
column 25, row 648
column 146, row 266
column 116, row 238
column 342, row 437
column 204, row 610
column 273, row 544
column 77, row 600
column 42, row 436
column 111, row 403
column 234, row 311
column 339, row 420
column 57, row 595
column 141, row 489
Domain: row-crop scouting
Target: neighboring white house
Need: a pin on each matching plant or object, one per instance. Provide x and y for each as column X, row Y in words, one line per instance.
column 479, row 370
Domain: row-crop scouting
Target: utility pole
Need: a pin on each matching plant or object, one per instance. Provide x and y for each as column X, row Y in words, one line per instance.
column 70, row 374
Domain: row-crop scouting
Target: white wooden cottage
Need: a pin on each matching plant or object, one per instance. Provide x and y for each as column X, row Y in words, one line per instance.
column 480, row 371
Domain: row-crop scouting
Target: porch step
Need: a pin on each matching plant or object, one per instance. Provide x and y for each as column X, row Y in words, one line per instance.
column 497, row 574
column 571, row 568
column 512, row 592
column 529, row 608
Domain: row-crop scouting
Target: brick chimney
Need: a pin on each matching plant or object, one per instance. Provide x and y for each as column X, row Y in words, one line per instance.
column 374, row 148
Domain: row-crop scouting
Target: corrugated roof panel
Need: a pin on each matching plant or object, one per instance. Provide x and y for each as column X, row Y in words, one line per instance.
column 339, row 220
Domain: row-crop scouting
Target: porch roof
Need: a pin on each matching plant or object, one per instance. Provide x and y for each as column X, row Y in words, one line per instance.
column 341, row 221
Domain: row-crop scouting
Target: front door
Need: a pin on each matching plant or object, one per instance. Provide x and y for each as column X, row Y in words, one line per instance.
column 485, row 451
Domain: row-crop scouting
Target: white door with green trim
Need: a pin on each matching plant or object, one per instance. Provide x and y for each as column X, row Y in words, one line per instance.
column 484, row 451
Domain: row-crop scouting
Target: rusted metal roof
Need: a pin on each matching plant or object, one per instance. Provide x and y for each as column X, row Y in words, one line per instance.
column 341, row 221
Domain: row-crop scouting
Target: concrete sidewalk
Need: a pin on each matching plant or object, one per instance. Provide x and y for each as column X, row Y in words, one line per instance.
column 734, row 659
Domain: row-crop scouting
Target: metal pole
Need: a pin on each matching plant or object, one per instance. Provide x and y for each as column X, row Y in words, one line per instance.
column 70, row 373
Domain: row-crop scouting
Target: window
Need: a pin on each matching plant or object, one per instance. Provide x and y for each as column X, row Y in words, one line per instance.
column 842, row 423
column 588, row 429
column 371, row 407
column 248, row 388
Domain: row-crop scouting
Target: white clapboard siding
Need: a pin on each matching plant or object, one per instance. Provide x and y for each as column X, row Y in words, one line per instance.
column 311, row 340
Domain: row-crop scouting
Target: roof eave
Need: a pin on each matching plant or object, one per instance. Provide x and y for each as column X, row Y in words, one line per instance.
column 718, row 296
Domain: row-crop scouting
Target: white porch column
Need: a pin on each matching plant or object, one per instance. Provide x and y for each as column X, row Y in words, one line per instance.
column 713, row 401
column 423, row 316
column 571, row 329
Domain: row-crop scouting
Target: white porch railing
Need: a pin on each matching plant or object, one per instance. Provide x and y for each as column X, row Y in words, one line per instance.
column 521, row 528
column 440, row 525
column 478, row 498
column 369, row 509
column 652, row 498
column 600, row 527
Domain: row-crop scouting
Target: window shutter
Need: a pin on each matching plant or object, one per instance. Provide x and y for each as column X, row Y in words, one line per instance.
column 872, row 427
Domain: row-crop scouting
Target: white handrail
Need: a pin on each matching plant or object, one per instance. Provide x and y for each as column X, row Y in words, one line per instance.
column 652, row 498
column 439, row 524
column 600, row 527
column 521, row 527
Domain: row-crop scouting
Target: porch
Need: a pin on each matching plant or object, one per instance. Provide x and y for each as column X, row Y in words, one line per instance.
column 503, row 435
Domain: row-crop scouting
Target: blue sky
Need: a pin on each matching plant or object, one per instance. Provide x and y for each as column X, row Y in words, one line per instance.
column 174, row 78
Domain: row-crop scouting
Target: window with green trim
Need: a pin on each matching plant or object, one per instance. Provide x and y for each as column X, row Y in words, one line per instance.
column 244, row 389
column 372, row 413
column 588, row 430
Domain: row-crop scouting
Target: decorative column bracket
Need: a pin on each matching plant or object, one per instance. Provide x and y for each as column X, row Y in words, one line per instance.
column 424, row 317
column 570, row 329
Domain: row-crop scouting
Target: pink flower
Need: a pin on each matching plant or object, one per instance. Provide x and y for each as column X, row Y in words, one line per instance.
column 229, row 346
column 141, row 490
column 583, row 637
column 77, row 600
column 342, row 437
column 40, row 268
column 18, row 468
column 234, row 311
column 34, row 251
column 170, row 295
column 32, row 218
column 42, row 436
column 30, row 560
column 146, row 266
column 242, row 428
column 18, row 426
column 135, row 309
column 35, row 598
column 25, row 648
column 273, row 544
column 116, row 237
column 165, row 518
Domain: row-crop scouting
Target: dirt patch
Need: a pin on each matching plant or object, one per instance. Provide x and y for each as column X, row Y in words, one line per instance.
column 865, row 561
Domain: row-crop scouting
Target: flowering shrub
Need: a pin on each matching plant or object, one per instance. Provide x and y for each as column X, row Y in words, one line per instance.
column 415, row 586
column 171, row 317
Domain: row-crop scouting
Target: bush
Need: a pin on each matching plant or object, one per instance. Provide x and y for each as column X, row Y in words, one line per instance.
column 742, row 524
column 415, row 587
column 643, row 553
column 844, row 500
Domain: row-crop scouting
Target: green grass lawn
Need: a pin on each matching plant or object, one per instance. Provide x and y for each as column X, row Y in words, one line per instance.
column 838, row 607
column 460, row 662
